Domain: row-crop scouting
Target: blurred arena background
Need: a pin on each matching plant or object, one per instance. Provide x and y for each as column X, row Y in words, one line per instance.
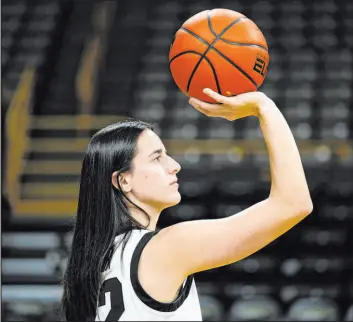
column 70, row 67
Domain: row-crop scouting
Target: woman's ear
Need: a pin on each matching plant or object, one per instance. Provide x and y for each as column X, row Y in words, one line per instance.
column 124, row 180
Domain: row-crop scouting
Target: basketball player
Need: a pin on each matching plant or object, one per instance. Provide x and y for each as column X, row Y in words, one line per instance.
column 121, row 268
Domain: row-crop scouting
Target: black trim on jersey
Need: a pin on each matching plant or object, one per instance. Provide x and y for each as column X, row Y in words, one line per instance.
column 141, row 293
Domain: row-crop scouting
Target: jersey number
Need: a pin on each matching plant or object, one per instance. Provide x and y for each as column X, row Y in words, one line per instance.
column 113, row 286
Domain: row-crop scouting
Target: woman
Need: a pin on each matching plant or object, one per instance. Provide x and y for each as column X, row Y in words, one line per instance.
column 121, row 268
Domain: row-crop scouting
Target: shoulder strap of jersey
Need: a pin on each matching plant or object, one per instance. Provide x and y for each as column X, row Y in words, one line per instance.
column 141, row 293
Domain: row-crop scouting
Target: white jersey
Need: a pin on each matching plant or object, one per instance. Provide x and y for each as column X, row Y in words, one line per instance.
column 122, row 297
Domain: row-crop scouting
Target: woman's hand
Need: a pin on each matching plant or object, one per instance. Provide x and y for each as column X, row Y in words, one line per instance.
column 232, row 108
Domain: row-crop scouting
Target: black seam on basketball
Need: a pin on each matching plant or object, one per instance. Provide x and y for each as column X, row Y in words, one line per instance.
column 196, row 36
column 243, row 44
column 222, row 55
column 210, row 22
column 209, row 47
column 207, row 59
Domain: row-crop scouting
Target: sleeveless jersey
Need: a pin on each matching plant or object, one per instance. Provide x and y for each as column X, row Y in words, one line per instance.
column 122, row 297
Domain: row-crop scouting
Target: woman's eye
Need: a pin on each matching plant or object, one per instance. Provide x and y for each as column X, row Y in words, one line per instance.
column 158, row 158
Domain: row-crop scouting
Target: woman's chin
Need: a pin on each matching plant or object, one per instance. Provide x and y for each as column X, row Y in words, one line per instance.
column 178, row 198
column 174, row 200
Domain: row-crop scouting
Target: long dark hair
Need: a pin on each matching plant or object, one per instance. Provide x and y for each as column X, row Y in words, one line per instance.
column 102, row 214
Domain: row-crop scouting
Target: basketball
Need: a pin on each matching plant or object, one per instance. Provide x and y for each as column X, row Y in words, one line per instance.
column 220, row 49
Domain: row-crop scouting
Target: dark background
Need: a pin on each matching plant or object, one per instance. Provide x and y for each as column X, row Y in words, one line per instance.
column 70, row 67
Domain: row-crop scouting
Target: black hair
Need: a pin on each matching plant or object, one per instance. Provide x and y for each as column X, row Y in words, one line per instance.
column 102, row 214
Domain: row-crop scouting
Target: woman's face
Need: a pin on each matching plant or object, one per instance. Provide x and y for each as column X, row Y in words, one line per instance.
column 153, row 175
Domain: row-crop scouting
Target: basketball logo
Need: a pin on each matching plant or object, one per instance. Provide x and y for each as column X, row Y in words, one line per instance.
column 260, row 66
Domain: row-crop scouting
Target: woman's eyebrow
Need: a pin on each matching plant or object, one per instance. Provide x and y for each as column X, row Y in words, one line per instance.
column 159, row 151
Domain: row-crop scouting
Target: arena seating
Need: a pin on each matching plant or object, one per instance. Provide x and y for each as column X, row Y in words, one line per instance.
column 27, row 33
column 305, row 274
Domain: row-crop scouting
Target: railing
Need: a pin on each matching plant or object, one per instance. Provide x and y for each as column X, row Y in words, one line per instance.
column 92, row 58
column 17, row 123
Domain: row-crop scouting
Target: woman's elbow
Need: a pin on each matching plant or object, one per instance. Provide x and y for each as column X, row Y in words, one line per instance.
column 297, row 206
column 303, row 207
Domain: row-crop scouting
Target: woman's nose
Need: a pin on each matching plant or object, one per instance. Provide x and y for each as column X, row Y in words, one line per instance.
column 175, row 166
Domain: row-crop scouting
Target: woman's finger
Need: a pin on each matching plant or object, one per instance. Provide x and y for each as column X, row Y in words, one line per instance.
column 199, row 106
column 217, row 97
column 206, row 106
column 200, row 109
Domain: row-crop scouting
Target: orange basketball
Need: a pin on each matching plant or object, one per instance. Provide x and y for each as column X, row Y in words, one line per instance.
column 220, row 49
